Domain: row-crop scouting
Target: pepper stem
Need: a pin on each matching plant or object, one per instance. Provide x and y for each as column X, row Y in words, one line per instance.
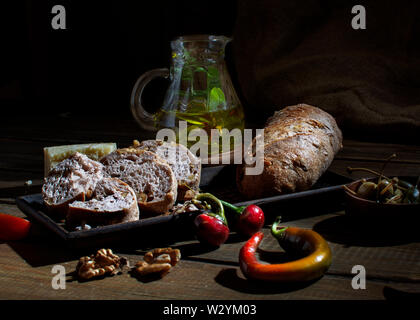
column 275, row 231
column 215, row 204
column 236, row 209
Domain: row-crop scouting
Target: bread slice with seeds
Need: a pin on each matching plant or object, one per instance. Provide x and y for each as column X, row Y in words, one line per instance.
column 149, row 175
column 72, row 179
column 113, row 201
column 185, row 165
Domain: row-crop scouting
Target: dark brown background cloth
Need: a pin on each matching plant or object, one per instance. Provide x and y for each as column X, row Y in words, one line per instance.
column 306, row 51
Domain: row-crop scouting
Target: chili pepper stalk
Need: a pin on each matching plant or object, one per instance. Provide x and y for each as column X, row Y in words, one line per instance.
column 249, row 219
column 215, row 205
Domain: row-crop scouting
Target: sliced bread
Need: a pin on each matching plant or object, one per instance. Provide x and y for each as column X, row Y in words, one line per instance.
column 185, row 165
column 113, row 201
column 149, row 175
column 72, row 179
column 56, row 154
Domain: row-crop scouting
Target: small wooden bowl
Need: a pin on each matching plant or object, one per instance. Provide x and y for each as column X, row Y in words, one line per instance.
column 368, row 210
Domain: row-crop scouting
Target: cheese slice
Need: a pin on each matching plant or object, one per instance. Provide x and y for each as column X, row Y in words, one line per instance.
column 56, row 154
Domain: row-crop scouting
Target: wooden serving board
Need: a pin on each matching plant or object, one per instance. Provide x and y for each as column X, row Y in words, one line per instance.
column 327, row 193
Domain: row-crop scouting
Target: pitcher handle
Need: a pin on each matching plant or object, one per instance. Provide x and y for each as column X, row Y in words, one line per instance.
column 144, row 118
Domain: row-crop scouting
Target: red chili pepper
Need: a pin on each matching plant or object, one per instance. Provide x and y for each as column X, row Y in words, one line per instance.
column 13, row 228
column 312, row 266
column 211, row 230
column 249, row 219
column 211, row 227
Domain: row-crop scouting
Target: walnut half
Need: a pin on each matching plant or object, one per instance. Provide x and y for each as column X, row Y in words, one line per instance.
column 143, row 268
column 158, row 262
column 104, row 262
column 162, row 254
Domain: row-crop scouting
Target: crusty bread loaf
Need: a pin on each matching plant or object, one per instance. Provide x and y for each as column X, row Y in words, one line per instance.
column 113, row 201
column 149, row 175
column 185, row 165
column 300, row 143
column 72, row 179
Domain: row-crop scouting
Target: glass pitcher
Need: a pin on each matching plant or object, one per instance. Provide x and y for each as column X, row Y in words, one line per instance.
column 200, row 91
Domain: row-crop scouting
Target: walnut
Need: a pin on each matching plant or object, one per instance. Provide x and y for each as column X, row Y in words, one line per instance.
column 149, row 258
column 143, row 268
column 99, row 264
column 158, row 262
column 163, row 258
column 174, row 254
column 187, row 206
column 136, row 143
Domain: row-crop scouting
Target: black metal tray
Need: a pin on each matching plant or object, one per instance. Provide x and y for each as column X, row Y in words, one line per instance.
column 219, row 180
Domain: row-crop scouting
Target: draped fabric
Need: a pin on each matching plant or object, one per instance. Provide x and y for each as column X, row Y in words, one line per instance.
column 306, row 51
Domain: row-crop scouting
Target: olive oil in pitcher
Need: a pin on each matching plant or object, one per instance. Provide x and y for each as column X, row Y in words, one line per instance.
column 200, row 92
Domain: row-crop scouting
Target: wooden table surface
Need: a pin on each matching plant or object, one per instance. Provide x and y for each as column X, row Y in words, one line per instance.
column 391, row 258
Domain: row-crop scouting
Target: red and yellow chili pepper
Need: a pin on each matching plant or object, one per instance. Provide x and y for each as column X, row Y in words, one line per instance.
column 312, row 266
